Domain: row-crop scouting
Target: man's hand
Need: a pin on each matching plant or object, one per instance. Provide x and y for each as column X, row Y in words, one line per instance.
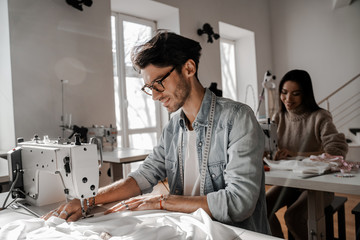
column 119, row 190
column 70, row 211
column 149, row 202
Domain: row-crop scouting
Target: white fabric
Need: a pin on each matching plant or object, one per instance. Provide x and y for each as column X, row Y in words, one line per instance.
column 305, row 166
column 126, row 225
column 191, row 167
column 312, row 165
column 337, row 162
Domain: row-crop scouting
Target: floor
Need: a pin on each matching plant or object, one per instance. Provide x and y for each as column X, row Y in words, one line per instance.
column 352, row 201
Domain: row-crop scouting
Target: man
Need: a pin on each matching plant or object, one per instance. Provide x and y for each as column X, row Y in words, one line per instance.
column 210, row 152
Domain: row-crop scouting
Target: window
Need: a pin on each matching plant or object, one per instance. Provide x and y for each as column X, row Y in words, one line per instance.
column 238, row 64
column 228, row 74
column 138, row 118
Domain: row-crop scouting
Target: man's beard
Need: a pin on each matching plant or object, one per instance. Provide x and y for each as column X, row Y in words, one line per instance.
column 181, row 95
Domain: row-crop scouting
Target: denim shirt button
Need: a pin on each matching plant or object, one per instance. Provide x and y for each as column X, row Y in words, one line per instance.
column 213, row 175
column 200, row 144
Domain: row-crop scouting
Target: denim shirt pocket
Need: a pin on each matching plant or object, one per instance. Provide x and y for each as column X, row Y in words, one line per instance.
column 216, row 172
column 171, row 167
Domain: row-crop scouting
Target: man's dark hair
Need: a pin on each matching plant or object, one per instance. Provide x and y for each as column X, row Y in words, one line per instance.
column 166, row 49
column 303, row 79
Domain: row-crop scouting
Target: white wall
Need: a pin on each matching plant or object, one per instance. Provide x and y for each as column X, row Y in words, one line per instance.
column 50, row 41
column 7, row 136
column 313, row 36
column 166, row 17
column 252, row 15
column 191, row 15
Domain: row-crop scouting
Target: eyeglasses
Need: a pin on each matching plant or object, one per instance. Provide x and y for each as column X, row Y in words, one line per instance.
column 156, row 84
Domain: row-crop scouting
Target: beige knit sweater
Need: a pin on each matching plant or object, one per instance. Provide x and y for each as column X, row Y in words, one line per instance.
column 306, row 133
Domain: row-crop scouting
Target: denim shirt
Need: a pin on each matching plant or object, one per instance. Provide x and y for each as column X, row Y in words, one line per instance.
column 234, row 182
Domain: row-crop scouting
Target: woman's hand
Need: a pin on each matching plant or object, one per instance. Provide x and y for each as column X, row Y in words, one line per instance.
column 282, row 154
column 149, row 202
column 70, row 211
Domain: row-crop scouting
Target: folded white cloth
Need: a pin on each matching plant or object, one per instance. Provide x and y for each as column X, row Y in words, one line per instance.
column 122, row 225
column 301, row 167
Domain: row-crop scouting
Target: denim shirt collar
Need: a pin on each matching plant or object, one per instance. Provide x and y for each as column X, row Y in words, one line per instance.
column 202, row 116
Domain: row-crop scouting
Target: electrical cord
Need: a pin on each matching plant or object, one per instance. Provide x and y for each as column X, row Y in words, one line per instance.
column 249, row 86
column 10, row 203
column 12, row 187
column 18, row 172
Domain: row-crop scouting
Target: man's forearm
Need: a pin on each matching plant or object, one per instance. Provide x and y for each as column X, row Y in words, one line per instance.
column 186, row 204
column 119, row 190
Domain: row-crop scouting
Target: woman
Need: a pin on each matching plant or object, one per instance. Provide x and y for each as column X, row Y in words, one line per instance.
column 304, row 129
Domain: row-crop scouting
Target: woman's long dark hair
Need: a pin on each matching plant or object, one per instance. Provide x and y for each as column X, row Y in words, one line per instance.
column 302, row 78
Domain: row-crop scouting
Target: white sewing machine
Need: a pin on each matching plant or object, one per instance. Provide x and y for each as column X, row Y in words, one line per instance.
column 270, row 130
column 46, row 172
column 104, row 134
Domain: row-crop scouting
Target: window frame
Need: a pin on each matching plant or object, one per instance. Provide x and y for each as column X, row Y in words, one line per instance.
column 120, row 89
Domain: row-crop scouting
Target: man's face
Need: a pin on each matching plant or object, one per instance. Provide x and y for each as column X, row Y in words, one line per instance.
column 176, row 87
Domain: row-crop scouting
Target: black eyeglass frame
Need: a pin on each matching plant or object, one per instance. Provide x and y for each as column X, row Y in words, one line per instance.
column 151, row 86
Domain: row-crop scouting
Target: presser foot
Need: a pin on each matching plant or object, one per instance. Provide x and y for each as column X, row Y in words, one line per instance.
column 85, row 214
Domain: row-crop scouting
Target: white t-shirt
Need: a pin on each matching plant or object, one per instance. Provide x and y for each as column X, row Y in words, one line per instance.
column 191, row 167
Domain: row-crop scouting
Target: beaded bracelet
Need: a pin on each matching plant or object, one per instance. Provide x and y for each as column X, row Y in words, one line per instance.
column 162, row 198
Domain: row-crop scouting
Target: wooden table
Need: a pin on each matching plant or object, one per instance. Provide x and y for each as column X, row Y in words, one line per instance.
column 121, row 156
column 316, row 187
